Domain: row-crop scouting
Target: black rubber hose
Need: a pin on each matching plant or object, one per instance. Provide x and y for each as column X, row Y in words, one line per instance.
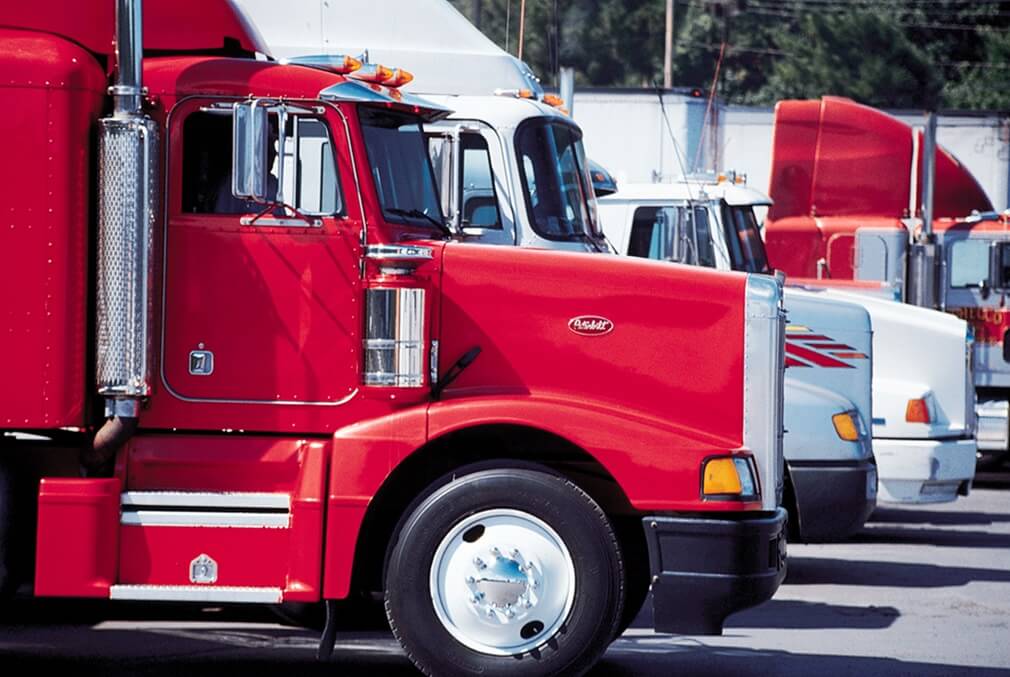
column 99, row 460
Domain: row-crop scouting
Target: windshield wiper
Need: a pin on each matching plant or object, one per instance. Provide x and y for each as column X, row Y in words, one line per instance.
column 418, row 214
column 590, row 240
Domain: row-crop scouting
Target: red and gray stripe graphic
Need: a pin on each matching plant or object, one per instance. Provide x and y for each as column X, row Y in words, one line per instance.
column 804, row 348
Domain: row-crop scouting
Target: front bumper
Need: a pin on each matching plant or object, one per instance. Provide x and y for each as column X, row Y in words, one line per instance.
column 706, row 568
column 924, row 471
column 833, row 499
column 992, row 419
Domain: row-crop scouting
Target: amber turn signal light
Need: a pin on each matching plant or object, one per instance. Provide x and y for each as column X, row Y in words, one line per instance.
column 728, row 476
column 917, row 411
column 845, row 426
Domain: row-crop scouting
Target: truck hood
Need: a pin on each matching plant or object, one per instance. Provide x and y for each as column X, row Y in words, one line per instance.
column 917, row 353
column 647, row 338
column 829, row 345
column 810, row 433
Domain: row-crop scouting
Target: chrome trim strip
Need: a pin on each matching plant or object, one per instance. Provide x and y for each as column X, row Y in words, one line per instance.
column 205, row 499
column 272, row 221
column 392, row 252
column 763, row 394
column 196, row 593
column 992, row 432
column 192, row 518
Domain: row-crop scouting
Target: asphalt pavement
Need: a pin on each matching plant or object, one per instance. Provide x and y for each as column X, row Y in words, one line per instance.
column 920, row 592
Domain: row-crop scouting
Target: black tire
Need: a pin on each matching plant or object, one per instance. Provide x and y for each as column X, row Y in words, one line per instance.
column 582, row 528
column 7, row 565
column 637, row 575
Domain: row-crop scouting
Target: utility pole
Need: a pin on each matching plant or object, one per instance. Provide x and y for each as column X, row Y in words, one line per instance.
column 668, row 52
column 522, row 26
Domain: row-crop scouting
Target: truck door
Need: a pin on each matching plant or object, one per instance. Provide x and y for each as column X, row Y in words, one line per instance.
column 260, row 303
column 477, row 189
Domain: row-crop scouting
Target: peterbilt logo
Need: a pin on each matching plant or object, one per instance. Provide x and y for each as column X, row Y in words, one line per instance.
column 590, row 325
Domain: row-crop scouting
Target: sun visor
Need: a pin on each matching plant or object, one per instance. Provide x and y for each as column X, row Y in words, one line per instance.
column 360, row 92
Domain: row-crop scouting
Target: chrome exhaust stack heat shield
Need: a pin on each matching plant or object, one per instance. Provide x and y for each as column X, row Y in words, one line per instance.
column 127, row 214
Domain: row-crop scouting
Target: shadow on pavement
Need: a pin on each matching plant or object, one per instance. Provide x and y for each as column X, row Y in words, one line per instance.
column 665, row 655
column 951, row 538
column 823, row 571
column 936, row 517
column 798, row 615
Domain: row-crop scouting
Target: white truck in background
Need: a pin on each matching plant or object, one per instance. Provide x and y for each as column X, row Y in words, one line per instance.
column 923, row 399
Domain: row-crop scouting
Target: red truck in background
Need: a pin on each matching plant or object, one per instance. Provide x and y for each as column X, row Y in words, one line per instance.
column 230, row 298
column 857, row 201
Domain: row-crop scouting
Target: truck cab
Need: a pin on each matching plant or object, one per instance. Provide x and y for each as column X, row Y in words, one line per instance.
column 511, row 170
column 850, row 185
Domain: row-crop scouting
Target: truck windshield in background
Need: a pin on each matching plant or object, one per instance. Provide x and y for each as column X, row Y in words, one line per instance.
column 401, row 169
column 556, row 181
column 745, row 244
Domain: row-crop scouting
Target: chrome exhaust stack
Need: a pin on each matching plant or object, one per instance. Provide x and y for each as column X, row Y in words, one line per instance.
column 127, row 215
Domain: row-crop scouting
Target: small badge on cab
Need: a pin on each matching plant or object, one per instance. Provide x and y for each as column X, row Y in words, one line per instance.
column 590, row 325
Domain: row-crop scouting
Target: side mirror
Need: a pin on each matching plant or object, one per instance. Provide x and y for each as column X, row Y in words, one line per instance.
column 250, row 138
column 678, row 248
column 440, row 149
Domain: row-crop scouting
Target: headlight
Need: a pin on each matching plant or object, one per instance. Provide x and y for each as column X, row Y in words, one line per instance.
column 847, row 425
column 728, row 476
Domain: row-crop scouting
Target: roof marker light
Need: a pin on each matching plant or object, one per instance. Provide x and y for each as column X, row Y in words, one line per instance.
column 375, row 73
column 554, row 100
column 515, row 93
column 399, row 78
column 342, row 64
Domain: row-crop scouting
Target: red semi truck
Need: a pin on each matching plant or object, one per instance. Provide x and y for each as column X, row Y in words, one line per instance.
column 864, row 201
column 229, row 297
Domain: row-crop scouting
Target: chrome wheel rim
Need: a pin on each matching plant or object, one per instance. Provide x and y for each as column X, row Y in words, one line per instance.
column 502, row 582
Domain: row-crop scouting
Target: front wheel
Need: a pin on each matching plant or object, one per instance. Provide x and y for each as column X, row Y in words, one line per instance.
column 505, row 572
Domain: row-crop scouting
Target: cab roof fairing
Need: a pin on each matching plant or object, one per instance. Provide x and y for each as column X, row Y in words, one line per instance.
column 733, row 194
column 169, row 26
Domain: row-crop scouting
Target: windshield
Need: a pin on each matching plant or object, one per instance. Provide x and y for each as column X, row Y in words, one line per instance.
column 744, row 237
column 556, row 183
column 401, row 169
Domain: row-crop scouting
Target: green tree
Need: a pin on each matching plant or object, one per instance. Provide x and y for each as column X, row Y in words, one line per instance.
column 984, row 84
column 887, row 53
column 864, row 55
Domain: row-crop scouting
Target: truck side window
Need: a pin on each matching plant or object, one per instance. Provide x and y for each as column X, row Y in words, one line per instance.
column 644, row 232
column 310, row 170
column 969, row 263
column 206, row 160
column 480, row 202
column 310, row 181
column 703, row 238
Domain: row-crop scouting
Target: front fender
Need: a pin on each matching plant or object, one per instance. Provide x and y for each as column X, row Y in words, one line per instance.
column 655, row 463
